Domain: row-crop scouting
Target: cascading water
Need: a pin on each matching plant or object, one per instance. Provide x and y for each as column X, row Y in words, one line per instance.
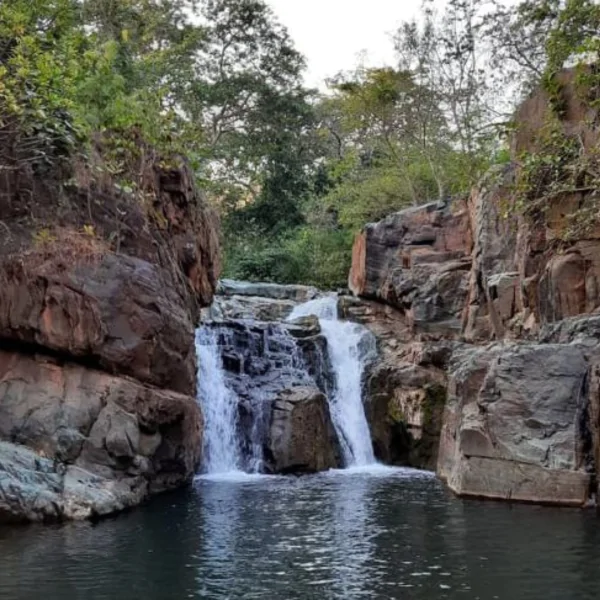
column 242, row 367
column 348, row 343
column 219, row 406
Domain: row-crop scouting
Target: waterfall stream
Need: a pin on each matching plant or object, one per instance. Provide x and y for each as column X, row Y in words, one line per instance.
column 349, row 345
column 219, row 406
column 243, row 365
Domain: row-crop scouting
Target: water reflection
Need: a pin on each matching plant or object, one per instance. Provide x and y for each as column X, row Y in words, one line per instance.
column 352, row 539
column 337, row 536
column 220, row 530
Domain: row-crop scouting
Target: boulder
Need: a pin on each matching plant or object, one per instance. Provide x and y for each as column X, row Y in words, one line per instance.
column 36, row 489
column 301, row 436
column 514, row 424
column 82, row 443
column 257, row 301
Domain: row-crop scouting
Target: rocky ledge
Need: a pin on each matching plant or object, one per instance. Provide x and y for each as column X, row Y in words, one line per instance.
column 99, row 297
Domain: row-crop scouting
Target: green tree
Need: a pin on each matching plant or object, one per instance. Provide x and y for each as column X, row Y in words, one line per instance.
column 445, row 54
column 388, row 142
column 40, row 67
column 254, row 111
column 534, row 39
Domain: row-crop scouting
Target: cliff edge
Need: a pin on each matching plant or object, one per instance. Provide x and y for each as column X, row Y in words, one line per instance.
column 101, row 287
column 493, row 301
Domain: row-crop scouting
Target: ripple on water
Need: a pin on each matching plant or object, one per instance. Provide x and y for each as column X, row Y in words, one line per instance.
column 377, row 533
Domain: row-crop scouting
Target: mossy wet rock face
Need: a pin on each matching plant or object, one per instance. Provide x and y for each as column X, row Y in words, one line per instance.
column 405, row 385
column 404, row 409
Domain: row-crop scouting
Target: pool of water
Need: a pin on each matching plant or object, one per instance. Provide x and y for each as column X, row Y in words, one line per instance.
column 366, row 534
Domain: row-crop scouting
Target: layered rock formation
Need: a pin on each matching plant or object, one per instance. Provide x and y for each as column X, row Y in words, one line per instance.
column 99, row 297
column 495, row 310
column 258, row 301
column 417, row 260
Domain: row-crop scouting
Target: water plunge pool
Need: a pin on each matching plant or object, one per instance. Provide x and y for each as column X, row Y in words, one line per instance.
column 364, row 533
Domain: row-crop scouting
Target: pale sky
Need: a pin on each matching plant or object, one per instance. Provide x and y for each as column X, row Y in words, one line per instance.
column 333, row 33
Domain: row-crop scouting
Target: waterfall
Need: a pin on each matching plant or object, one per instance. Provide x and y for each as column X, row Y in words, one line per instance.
column 348, row 343
column 219, row 406
column 242, row 367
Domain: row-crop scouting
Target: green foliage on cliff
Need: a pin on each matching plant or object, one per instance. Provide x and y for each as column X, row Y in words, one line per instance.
column 40, row 68
column 563, row 166
column 293, row 172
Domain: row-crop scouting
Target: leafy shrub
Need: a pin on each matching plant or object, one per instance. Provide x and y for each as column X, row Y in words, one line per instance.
column 308, row 255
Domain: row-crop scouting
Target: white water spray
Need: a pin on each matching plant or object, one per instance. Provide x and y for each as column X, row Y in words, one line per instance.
column 219, row 407
column 344, row 341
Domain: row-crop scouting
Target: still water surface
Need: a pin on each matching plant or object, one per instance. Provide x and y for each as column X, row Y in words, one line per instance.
column 382, row 534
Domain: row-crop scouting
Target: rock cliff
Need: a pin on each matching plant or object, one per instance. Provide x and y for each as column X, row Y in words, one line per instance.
column 100, row 293
column 494, row 309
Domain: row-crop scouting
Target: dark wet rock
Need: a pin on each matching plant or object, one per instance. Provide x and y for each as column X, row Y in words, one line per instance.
column 301, row 438
column 261, row 362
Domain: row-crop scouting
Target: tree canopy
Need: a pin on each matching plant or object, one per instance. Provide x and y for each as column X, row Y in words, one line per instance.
column 294, row 172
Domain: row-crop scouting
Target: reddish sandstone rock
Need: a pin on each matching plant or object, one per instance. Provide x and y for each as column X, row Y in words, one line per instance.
column 118, row 313
column 192, row 230
column 100, row 292
column 493, row 282
column 417, row 260
column 521, row 420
